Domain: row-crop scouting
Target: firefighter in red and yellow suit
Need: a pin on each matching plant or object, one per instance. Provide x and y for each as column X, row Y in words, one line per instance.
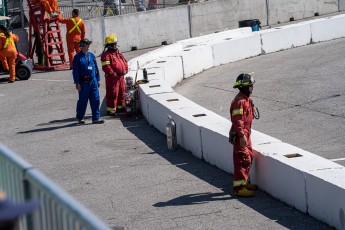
column 115, row 66
column 8, row 50
column 241, row 112
column 75, row 28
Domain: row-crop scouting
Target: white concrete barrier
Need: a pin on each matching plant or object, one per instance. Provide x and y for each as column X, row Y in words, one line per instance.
column 292, row 175
column 326, row 200
column 172, row 67
column 138, row 62
column 161, row 105
column 328, row 29
column 285, row 37
column 195, row 59
column 235, row 49
column 215, row 36
column 153, row 87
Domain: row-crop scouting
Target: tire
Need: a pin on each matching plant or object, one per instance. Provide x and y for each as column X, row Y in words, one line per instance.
column 23, row 72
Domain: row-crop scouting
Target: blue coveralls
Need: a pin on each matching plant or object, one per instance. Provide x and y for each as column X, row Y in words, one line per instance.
column 85, row 72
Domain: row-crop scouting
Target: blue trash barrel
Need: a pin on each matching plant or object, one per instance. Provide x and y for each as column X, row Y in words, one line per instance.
column 255, row 24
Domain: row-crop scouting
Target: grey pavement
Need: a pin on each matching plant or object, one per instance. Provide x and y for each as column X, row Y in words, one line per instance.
column 122, row 170
column 299, row 92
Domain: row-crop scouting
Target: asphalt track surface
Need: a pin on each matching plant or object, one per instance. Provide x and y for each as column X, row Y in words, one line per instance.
column 300, row 94
column 122, row 170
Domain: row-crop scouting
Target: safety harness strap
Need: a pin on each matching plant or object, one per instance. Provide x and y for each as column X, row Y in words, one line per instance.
column 76, row 25
column 8, row 40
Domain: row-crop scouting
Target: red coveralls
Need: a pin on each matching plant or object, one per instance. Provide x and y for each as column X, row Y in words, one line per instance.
column 8, row 50
column 75, row 28
column 241, row 112
column 115, row 66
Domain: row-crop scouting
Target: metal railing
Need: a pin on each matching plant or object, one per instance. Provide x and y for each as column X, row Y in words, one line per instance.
column 58, row 210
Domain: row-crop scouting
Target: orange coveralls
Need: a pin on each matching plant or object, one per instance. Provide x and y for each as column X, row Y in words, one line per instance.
column 8, row 50
column 75, row 28
column 50, row 6
column 241, row 112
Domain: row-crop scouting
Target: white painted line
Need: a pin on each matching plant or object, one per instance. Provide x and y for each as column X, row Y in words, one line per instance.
column 46, row 80
column 2, row 95
column 338, row 159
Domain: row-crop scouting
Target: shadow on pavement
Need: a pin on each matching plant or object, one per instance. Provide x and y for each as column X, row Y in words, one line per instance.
column 262, row 202
column 68, row 120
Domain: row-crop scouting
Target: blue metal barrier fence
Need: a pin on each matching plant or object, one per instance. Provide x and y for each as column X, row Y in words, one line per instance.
column 58, row 210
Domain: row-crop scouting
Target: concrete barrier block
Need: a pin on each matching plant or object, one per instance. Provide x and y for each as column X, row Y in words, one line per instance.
column 188, row 123
column 164, row 51
column 285, row 37
column 161, row 105
column 153, row 87
column 215, row 144
column 258, row 138
column 236, row 49
column 277, row 160
column 328, row 29
column 172, row 66
column 154, row 73
column 325, row 193
column 191, row 61
column 215, row 36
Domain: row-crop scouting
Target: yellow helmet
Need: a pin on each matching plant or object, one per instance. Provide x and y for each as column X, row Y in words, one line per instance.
column 111, row 39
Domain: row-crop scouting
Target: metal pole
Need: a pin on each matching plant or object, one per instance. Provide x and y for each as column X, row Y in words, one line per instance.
column 268, row 12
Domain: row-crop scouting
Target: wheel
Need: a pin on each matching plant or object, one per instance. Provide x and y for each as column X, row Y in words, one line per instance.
column 23, row 72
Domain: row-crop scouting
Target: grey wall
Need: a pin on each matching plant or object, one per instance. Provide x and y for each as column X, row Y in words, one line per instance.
column 215, row 16
column 341, row 5
column 283, row 10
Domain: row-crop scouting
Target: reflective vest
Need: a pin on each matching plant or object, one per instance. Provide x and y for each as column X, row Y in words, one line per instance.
column 76, row 25
column 8, row 40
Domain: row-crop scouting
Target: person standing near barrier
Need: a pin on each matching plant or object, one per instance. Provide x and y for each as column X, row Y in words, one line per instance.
column 75, row 31
column 8, row 51
column 11, row 212
column 115, row 66
column 86, row 79
column 242, row 115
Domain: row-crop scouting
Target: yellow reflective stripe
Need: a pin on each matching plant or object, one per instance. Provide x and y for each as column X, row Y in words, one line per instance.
column 237, row 112
column 105, row 63
column 239, row 183
column 110, row 109
column 7, row 40
column 76, row 25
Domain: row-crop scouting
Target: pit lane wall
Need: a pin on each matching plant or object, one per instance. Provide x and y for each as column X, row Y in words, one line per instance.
column 288, row 173
column 152, row 28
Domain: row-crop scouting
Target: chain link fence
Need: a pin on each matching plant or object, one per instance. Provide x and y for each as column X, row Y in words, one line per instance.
column 19, row 13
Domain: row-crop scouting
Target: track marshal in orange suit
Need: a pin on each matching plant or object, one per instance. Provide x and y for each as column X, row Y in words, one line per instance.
column 75, row 32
